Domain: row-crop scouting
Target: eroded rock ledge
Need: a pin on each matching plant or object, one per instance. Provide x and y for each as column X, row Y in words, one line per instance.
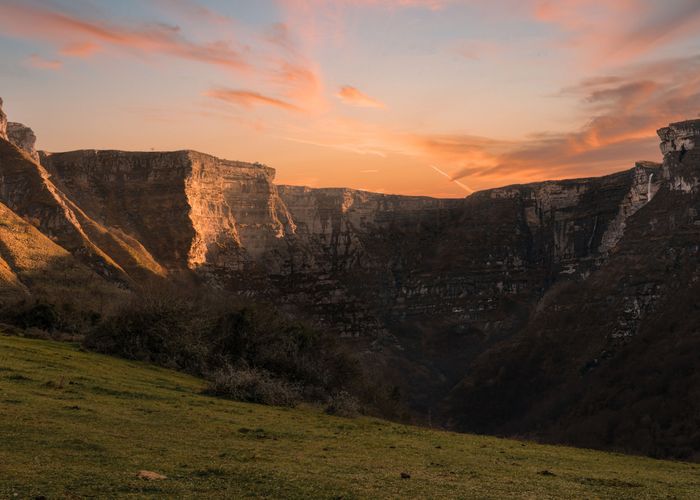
column 3, row 122
column 680, row 136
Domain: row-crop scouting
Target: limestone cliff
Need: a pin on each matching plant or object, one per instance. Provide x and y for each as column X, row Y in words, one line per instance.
column 681, row 155
column 188, row 210
column 605, row 361
column 3, row 122
column 680, row 136
column 23, row 137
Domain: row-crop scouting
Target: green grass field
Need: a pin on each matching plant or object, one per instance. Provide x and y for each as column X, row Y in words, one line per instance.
column 76, row 424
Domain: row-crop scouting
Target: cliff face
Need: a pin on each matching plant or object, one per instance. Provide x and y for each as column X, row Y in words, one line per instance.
column 188, row 210
column 607, row 361
column 23, row 137
column 509, row 301
column 3, row 123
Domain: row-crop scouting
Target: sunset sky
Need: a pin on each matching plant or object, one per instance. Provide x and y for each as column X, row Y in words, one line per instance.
column 397, row 96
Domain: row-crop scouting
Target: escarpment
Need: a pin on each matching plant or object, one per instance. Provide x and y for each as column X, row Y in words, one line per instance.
column 605, row 362
column 516, row 310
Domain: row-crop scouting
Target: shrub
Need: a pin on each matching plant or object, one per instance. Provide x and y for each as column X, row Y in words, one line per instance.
column 39, row 315
column 254, row 386
column 343, row 404
column 161, row 329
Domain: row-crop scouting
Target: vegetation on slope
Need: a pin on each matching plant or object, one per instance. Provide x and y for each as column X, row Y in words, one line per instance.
column 249, row 352
column 81, row 424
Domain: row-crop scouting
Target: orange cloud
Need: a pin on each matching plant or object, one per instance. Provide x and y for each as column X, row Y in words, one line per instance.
column 248, row 99
column 605, row 32
column 354, row 97
column 79, row 49
column 624, row 112
column 67, row 30
column 430, row 4
column 37, row 61
column 190, row 9
column 289, row 72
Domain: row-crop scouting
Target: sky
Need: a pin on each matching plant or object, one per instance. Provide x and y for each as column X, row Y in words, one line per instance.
column 416, row 97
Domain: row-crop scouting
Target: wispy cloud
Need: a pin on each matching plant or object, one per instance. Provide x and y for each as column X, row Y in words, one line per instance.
column 29, row 20
column 274, row 61
column 625, row 111
column 248, row 99
column 40, row 62
column 605, row 32
column 355, row 97
column 79, row 49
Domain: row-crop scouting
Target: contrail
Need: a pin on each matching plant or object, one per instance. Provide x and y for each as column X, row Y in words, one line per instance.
column 463, row 186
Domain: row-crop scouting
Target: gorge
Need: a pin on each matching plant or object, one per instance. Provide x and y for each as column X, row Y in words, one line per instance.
column 564, row 310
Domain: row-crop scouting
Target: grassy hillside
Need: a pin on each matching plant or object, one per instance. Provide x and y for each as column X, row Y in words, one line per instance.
column 76, row 424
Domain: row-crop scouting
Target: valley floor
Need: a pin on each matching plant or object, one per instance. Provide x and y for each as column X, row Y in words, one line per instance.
column 76, row 424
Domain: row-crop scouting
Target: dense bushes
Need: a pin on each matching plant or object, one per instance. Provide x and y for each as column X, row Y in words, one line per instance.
column 248, row 352
column 343, row 404
column 253, row 385
column 48, row 319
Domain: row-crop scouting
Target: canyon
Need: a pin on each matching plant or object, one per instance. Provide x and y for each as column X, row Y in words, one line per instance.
column 564, row 310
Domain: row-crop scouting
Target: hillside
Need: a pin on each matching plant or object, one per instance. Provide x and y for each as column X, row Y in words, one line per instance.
column 81, row 424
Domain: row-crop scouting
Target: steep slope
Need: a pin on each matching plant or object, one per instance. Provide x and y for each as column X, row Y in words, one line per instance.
column 79, row 424
column 28, row 190
column 31, row 265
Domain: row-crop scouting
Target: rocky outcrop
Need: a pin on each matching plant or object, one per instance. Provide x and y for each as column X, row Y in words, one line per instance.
column 23, row 137
column 680, row 136
column 3, row 122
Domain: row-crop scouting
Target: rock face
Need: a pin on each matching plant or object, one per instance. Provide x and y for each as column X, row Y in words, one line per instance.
column 606, row 362
column 515, row 310
column 3, row 122
column 190, row 211
column 23, row 137
column 680, row 136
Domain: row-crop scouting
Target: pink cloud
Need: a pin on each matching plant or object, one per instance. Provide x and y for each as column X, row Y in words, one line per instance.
column 248, row 99
column 354, row 97
column 619, row 32
column 623, row 113
column 79, row 49
column 278, row 63
column 27, row 21
column 40, row 62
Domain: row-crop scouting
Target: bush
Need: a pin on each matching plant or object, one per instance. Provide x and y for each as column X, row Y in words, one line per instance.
column 163, row 327
column 254, row 386
column 343, row 404
column 38, row 315
column 58, row 320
